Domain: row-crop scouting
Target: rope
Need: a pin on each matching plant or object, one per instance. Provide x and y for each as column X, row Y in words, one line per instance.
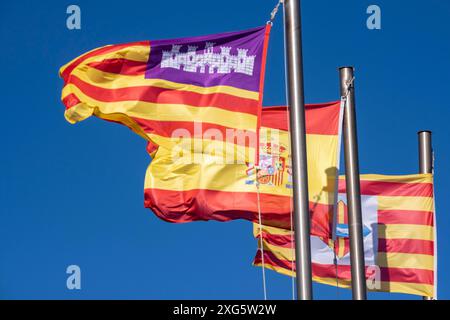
column 338, row 164
column 261, row 243
column 274, row 12
column 347, row 89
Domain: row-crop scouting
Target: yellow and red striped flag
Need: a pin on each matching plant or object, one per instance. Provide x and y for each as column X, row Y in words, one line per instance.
column 182, row 192
column 399, row 238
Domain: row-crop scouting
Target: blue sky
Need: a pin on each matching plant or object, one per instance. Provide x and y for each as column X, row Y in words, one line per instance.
column 73, row 194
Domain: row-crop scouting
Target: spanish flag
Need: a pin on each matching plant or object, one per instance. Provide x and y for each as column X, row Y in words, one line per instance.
column 181, row 191
column 399, row 238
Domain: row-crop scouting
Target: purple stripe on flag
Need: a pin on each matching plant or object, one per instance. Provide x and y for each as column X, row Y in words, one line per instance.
column 231, row 59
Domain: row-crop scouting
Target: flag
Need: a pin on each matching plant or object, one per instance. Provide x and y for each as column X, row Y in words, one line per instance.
column 197, row 101
column 182, row 192
column 398, row 236
column 162, row 87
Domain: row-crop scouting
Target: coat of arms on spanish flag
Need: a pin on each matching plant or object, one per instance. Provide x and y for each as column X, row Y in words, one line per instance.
column 182, row 192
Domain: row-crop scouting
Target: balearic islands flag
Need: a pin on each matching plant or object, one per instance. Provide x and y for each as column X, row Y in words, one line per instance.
column 181, row 192
column 197, row 101
column 399, row 238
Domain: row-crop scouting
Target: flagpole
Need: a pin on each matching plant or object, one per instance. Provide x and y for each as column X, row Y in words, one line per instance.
column 296, row 103
column 425, row 159
column 353, row 185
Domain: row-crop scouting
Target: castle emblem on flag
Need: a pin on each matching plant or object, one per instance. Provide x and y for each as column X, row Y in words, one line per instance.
column 223, row 62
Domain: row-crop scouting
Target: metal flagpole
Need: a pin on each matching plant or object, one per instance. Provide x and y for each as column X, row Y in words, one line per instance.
column 296, row 103
column 425, row 159
column 425, row 152
column 353, row 185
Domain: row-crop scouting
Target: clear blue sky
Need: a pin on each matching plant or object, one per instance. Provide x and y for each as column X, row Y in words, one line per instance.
column 73, row 194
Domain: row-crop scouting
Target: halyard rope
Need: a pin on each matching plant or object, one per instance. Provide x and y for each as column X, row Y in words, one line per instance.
column 261, row 240
column 274, row 11
column 261, row 243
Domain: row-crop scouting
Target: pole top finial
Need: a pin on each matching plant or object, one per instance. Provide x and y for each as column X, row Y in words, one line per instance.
column 424, row 131
column 345, row 67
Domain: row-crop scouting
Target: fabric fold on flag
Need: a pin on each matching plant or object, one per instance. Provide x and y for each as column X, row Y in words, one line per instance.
column 398, row 232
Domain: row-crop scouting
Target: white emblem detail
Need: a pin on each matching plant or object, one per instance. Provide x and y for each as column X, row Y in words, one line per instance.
column 222, row 62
